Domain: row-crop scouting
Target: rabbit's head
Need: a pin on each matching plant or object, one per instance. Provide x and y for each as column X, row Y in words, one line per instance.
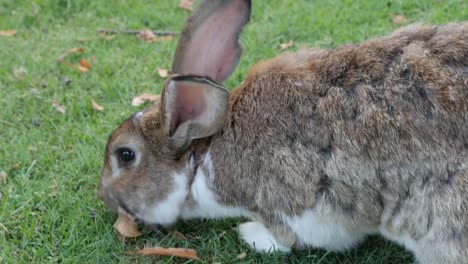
column 148, row 165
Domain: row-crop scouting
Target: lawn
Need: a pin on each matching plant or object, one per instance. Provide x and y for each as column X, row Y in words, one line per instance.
column 49, row 210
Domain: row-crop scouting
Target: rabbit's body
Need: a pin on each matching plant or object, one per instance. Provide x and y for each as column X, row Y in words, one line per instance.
column 319, row 148
column 357, row 140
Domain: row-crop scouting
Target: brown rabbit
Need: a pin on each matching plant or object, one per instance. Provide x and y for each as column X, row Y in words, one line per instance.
column 319, row 148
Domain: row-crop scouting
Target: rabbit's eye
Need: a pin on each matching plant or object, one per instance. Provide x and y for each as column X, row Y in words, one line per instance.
column 126, row 155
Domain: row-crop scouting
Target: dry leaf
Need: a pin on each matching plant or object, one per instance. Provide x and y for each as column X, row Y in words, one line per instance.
column 284, row 46
column 186, row 4
column 147, row 35
column 62, row 109
column 96, row 106
column 162, row 72
column 74, row 50
column 178, row 235
column 82, row 69
column 399, row 19
column 160, row 251
column 3, row 177
column 8, row 32
column 87, row 65
column 146, row 97
column 242, row 255
column 126, row 225
column 84, row 66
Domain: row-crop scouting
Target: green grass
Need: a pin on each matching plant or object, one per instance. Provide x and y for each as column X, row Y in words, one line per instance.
column 49, row 204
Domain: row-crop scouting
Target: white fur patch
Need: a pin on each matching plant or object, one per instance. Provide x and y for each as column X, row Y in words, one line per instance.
column 115, row 167
column 207, row 205
column 312, row 230
column 257, row 236
column 167, row 211
column 404, row 240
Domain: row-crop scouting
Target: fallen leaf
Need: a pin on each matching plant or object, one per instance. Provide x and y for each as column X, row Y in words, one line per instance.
column 62, row 109
column 178, row 235
column 147, row 35
column 74, row 50
column 160, row 251
column 242, row 255
column 85, row 64
column 96, row 106
column 284, row 46
column 3, row 177
column 82, row 69
column 162, row 72
column 146, row 97
column 8, row 32
column 126, row 225
column 187, row 4
column 399, row 19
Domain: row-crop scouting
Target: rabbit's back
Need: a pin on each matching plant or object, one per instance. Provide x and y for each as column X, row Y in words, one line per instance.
column 385, row 99
column 355, row 124
column 397, row 96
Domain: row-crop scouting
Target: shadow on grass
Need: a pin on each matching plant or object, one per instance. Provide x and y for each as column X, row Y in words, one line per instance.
column 218, row 242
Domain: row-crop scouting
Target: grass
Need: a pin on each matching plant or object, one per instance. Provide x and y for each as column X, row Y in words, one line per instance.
column 49, row 204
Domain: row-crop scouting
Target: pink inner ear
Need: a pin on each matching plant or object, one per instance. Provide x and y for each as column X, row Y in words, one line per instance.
column 189, row 104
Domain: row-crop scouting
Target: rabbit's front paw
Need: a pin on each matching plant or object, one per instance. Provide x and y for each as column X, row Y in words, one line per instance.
column 259, row 237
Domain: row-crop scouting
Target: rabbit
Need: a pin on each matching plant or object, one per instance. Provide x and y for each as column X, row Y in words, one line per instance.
column 319, row 148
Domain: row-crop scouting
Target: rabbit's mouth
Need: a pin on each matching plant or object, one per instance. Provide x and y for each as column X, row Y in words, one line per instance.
column 124, row 208
column 153, row 227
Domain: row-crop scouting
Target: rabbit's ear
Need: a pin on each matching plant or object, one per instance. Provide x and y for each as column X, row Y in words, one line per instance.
column 209, row 44
column 193, row 107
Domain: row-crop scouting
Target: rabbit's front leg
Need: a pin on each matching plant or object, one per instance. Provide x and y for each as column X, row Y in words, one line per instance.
column 258, row 236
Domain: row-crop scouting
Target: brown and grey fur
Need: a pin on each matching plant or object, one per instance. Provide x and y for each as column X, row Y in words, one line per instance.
column 373, row 136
